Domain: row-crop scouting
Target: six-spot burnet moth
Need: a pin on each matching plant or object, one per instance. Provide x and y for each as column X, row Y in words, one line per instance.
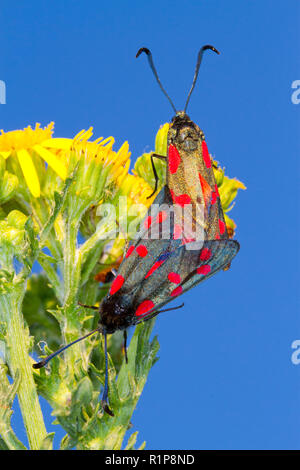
column 164, row 260
column 190, row 176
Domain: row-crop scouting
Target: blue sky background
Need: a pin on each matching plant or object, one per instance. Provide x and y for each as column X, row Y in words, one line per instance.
column 225, row 379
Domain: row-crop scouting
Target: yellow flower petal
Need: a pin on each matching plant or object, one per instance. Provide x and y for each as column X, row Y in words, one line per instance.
column 5, row 154
column 84, row 135
column 108, row 139
column 56, row 164
column 29, row 172
column 26, row 138
column 79, row 135
column 60, row 143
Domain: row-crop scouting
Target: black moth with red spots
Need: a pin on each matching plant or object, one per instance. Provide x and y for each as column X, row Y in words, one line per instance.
column 165, row 260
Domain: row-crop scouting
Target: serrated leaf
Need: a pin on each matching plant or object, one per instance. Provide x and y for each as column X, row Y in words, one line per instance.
column 67, row 443
column 131, row 441
column 7, row 394
column 3, row 446
column 82, row 396
column 47, row 443
column 59, row 199
column 142, row 446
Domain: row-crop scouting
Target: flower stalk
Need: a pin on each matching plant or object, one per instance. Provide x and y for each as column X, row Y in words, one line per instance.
column 17, row 349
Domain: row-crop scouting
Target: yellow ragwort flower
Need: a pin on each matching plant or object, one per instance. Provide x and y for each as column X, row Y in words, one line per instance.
column 21, row 143
column 101, row 151
column 131, row 185
column 58, row 152
column 137, row 189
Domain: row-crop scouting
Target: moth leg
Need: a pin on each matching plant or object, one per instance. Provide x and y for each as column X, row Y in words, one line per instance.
column 125, row 346
column 88, row 306
column 160, row 157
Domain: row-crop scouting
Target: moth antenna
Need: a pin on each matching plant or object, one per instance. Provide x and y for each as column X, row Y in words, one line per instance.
column 199, row 60
column 150, row 60
column 104, row 400
column 125, row 346
column 45, row 361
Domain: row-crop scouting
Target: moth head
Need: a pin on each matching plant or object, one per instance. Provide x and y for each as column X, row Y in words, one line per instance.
column 184, row 133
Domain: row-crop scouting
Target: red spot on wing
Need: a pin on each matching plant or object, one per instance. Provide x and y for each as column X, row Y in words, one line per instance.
column 177, row 231
column 206, row 190
column 117, row 284
column 217, row 190
column 141, row 251
column 144, row 307
column 161, row 217
column 221, row 226
column 217, row 236
column 205, row 154
column 130, row 250
column 174, row 277
column 204, row 269
column 182, row 200
column 174, row 159
column 154, row 268
column 176, row 291
column 214, row 197
column 148, row 222
column 205, row 254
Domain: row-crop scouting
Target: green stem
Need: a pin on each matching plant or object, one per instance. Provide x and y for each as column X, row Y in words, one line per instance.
column 72, row 268
column 17, row 342
column 105, row 232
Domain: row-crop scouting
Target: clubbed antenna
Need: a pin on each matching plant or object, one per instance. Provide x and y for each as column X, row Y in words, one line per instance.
column 199, row 60
column 150, row 60
column 45, row 361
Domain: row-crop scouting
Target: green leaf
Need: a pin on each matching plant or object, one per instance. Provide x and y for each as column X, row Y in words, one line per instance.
column 8, row 186
column 3, row 446
column 82, row 395
column 47, row 443
column 7, row 395
column 67, row 443
column 59, row 200
column 132, row 441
